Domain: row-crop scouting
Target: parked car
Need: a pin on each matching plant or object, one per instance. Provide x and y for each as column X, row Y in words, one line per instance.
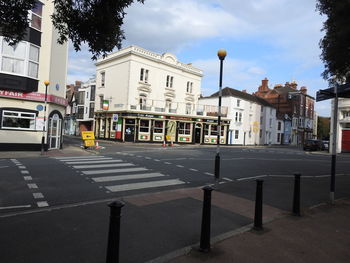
column 313, row 145
column 325, row 145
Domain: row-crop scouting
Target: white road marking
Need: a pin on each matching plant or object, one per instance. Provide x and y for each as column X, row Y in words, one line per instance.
column 24, row 172
column 32, row 186
column 114, row 171
column 135, row 186
column 208, row 173
column 21, row 167
column 27, row 178
column 252, row 177
column 227, row 179
column 3, row 166
column 180, row 166
column 156, row 160
column 38, row 195
column 195, row 170
column 102, row 165
column 93, row 162
column 148, row 158
column 88, row 159
column 77, row 157
column 42, row 204
column 167, row 163
column 125, row 177
column 14, row 207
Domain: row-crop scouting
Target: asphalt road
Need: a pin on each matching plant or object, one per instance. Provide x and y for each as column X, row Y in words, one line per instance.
column 54, row 209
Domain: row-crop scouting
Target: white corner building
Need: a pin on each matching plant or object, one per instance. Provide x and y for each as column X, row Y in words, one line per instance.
column 142, row 96
column 24, row 119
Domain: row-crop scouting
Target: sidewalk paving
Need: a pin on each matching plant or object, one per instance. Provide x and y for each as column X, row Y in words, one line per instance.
column 322, row 234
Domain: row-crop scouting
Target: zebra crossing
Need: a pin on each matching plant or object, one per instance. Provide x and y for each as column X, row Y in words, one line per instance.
column 116, row 175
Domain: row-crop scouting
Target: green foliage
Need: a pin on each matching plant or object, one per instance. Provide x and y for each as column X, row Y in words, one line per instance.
column 95, row 22
column 14, row 19
column 336, row 43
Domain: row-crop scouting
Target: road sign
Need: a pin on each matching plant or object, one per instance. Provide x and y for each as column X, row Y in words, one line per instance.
column 115, row 117
column 88, row 135
column 342, row 90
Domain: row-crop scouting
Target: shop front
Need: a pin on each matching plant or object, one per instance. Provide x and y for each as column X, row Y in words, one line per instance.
column 138, row 127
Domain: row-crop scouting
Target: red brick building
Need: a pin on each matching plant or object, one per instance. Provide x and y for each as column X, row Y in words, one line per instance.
column 294, row 106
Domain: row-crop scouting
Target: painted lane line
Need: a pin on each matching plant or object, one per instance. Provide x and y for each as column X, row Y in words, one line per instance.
column 32, row 186
column 114, row 171
column 180, row 166
column 22, row 167
column 125, row 177
column 167, row 163
column 227, row 179
column 148, row 158
column 136, row 186
column 95, row 162
column 27, row 178
column 42, row 204
column 14, row 207
column 131, row 154
column 24, row 172
column 156, row 160
column 87, row 159
column 194, row 170
column 102, row 165
column 209, row 174
column 38, row 195
column 3, row 166
column 77, row 157
column 252, row 177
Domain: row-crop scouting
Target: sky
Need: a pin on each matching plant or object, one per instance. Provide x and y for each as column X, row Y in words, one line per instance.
column 276, row 39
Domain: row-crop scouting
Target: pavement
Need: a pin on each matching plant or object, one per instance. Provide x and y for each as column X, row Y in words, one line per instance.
column 321, row 234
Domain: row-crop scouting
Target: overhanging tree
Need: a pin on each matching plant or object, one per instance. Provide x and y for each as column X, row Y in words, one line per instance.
column 95, row 22
column 335, row 44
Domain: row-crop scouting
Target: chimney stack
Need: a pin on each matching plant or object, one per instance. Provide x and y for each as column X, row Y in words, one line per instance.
column 303, row 90
column 264, row 84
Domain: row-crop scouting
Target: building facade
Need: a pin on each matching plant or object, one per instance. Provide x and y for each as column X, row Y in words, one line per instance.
column 30, row 110
column 294, row 106
column 343, row 129
column 142, row 96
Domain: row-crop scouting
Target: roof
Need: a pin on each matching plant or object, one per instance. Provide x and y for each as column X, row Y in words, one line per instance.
column 229, row 92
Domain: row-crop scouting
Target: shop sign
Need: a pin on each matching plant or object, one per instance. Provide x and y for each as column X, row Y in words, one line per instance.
column 33, row 96
column 171, row 131
column 143, row 137
column 115, row 117
column 182, row 139
column 180, row 118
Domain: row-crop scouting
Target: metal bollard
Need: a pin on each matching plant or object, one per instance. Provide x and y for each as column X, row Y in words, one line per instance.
column 296, row 196
column 114, row 232
column 205, row 230
column 258, row 224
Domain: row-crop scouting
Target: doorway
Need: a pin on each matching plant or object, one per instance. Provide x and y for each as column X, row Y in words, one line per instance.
column 54, row 136
column 198, row 133
column 130, row 130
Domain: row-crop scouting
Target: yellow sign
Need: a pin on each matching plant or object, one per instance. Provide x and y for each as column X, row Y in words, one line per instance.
column 88, row 135
column 171, row 131
column 89, row 143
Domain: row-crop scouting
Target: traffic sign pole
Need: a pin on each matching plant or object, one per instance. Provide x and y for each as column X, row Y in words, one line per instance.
column 334, row 144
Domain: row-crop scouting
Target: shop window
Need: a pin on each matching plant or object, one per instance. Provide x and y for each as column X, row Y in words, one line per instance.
column 18, row 120
column 158, row 127
column 206, row 129
column 144, row 125
column 185, row 128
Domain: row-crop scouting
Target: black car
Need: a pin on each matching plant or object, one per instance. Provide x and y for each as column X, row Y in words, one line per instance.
column 313, row 145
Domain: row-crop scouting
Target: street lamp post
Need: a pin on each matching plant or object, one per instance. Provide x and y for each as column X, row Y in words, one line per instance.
column 221, row 55
column 47, row 83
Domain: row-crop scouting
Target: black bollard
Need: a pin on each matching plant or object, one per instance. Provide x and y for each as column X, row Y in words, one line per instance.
column 205, row 231
column 296, row 197
column 114, row 232
column 258, row 224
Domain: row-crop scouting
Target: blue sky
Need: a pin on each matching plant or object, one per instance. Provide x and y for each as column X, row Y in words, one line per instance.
column 276, row 39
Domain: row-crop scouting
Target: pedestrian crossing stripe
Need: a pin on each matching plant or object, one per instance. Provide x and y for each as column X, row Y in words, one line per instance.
column 125, row 170
column 94, row 162
column 77, row 157
column 91, row 166
column 126, row 177
column 136, row 186
column 88, row 159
